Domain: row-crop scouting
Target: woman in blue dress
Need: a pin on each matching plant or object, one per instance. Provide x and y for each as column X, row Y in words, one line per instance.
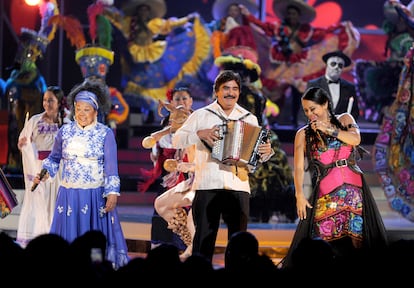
column 90, row 184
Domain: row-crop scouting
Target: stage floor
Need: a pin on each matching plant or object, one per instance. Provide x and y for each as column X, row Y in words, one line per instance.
column 274, row 238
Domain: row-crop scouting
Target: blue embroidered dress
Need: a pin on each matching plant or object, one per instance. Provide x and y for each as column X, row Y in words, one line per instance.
column 90, row 173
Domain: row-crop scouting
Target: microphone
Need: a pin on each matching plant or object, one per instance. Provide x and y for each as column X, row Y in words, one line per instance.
column 41, row 175
column 317, row 131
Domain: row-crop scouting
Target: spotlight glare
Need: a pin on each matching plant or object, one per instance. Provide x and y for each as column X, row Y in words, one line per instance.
column 32, row 2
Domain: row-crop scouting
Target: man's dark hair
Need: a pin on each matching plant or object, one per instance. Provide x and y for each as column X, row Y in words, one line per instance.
column 226, row 76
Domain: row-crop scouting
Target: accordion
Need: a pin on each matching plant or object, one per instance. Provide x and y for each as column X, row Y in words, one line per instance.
column 239, row 143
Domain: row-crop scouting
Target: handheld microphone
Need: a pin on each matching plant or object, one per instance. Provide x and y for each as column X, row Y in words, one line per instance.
column 41, row 175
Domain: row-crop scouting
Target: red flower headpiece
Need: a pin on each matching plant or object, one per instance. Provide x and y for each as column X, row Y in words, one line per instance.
column 170, row 94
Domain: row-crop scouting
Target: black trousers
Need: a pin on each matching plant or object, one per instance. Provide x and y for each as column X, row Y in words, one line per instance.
column 209, row 206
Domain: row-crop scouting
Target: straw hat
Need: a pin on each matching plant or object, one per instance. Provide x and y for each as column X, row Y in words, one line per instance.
column 307, row 12
column 220, row 7
column 158, row 7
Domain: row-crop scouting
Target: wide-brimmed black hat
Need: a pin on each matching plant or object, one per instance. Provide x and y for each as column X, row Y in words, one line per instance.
column 339, row 54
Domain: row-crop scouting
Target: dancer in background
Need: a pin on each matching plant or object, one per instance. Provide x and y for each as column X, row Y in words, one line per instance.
column 229, row 28
column 90, row 185
column 166, row 159
column 340, row 208
column 156, row 53
column 26, row 85
column 296, row 51
column 394, row 147
column 273, row 192
column 35, row 142
column 377, row 81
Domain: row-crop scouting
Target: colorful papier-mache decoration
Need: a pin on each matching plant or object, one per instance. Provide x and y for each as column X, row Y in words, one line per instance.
column 94, row 61
column 96, row 57
column 25, row 87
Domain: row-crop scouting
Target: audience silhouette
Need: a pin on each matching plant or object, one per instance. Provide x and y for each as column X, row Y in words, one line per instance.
column 244, row 262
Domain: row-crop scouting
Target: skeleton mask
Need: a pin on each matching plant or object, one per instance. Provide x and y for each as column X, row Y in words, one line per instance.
column 334, row 67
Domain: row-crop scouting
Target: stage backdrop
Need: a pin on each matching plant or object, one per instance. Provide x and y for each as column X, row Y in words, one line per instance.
column 328, row 12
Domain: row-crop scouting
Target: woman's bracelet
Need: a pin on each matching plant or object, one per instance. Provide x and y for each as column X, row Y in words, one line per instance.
column 332, row 131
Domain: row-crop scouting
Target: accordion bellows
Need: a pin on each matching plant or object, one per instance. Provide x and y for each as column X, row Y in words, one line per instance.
column 238, row 144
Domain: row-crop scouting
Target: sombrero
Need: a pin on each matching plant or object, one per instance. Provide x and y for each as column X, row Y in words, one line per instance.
column 220, row 7
column 339, row 54
column 158, row 7
column 307, row 12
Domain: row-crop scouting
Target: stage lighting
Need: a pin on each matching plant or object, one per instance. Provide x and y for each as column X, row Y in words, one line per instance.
column 32, row 2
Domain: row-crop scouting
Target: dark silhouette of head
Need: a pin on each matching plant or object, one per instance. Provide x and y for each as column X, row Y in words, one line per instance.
column 241, row 250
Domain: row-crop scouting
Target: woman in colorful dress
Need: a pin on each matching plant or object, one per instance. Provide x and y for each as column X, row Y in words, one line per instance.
column 394, row 144
column 340, row 208
column 149, row 43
